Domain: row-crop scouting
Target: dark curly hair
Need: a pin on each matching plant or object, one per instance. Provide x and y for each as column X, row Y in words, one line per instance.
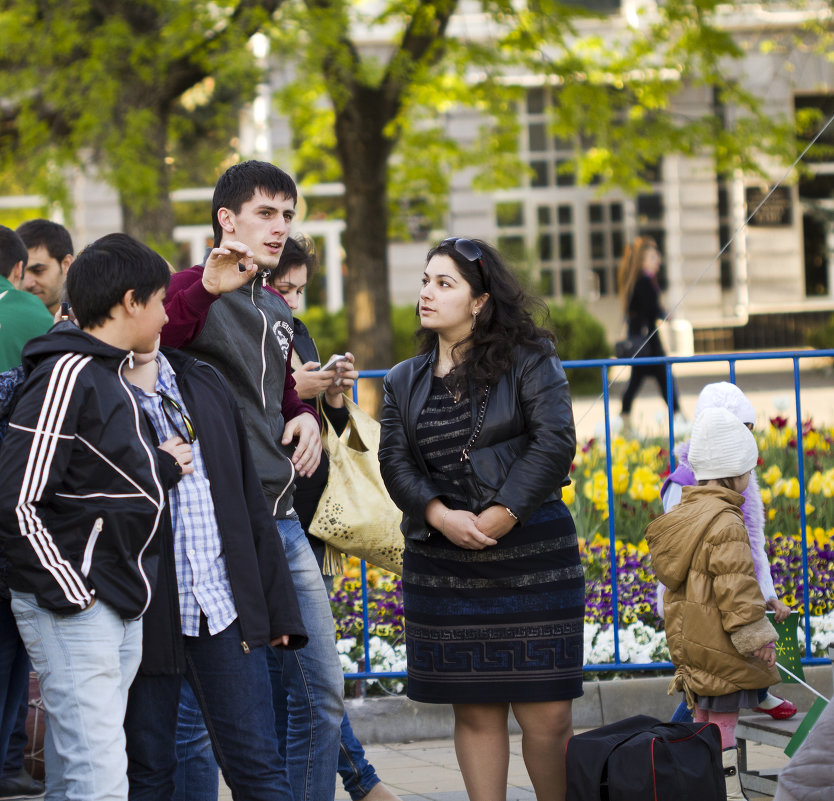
column 504, row 321
column 298, row 251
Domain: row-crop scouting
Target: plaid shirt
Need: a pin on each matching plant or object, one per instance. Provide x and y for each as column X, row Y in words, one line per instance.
column 202, row 577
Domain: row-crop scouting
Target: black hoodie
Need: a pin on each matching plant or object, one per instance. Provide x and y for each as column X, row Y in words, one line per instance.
column 80, row 492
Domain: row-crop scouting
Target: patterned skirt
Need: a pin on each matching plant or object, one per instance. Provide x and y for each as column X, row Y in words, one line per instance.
column 499, row 625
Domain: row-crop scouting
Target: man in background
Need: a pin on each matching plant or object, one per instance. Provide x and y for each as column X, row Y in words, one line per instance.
column 50, row 255
column 21, row 316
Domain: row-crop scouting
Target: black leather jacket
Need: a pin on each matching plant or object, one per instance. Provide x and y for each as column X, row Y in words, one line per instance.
column 521, row 457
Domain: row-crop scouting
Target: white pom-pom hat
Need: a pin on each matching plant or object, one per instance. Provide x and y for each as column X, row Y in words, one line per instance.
column 724, row 395
column 721, row 446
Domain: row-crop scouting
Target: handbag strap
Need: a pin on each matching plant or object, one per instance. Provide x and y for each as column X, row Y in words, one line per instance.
column 464, row 454
column 357, row 425
column 331, row 438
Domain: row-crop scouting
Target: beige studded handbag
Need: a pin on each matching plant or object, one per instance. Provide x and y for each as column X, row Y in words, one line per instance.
column 355, row 514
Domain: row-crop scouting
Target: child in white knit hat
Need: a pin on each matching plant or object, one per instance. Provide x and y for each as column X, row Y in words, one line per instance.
column 719, row 638
column 724, row 395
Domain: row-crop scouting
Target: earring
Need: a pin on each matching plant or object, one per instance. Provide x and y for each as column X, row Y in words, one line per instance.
column 474, row 320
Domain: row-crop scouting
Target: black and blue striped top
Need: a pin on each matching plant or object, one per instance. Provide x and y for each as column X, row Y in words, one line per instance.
column 443, row 429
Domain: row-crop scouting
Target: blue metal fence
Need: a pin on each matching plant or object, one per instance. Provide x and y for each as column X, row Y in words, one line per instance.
column 604, row 366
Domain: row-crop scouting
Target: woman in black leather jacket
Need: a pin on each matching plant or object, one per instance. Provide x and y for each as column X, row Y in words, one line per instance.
column 477, row 441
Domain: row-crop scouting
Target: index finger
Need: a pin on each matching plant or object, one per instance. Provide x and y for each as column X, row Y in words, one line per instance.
column 234, row 246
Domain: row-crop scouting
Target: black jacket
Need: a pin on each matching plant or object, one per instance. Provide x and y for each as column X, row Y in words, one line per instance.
column 309, row 489
column 644, row 310
column 521, row 457
column 81, row 497
column 260, row 579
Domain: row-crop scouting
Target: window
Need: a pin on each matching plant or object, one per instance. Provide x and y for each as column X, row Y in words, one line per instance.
column 816, row 191
column 725, row 231
column 576, row 236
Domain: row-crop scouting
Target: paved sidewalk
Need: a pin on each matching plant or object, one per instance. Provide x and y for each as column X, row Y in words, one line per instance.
column 428, row 770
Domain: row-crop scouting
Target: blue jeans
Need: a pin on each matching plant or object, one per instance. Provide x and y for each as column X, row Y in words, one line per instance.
column 85, row 663
column 311, row 679
column 16, row 753
column 197, row 776
column 233, row 691
column 14, row 681
column 358, row 775
column 682, row 714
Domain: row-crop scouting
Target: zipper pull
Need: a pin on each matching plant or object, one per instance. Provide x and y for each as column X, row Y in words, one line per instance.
column 244, row 646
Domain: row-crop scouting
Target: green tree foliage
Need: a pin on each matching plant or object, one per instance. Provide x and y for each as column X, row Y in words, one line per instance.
column 579, row 336
column 147, row 91
column 376, row 81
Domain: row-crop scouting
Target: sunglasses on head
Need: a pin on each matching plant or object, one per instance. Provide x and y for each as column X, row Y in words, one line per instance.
column 171, row 409
column 467, row 248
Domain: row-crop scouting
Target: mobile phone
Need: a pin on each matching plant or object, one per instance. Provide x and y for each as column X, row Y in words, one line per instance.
column 333, row 361
column 64, row 310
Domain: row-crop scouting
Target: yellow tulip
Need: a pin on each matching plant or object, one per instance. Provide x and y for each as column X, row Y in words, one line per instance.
column 792, row 488
column 772, row 474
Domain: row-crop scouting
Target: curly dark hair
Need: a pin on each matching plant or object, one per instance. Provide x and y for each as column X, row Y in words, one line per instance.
column 298, row 251
column 505, row 320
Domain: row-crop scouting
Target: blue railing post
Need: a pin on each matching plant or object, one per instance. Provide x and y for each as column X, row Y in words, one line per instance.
column 670, row 410
column 803, row 519
column 612, row 537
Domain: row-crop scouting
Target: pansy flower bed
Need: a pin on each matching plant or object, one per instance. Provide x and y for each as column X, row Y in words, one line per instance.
column 638, row 471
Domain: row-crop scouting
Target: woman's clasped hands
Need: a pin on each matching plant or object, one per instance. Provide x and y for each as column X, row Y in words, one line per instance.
column 468, row 530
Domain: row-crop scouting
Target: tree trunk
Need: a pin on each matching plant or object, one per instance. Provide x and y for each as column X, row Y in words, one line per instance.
column 150, row 219
column 153, row 226
column 364, row 151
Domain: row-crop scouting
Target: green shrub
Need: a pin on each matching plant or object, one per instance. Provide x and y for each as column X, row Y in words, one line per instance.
column 579, row 336
column 328, row 329
column 822, row 336
column 405, row 323
column 330, row 332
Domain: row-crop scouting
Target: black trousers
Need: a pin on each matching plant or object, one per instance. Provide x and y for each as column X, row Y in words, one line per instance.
column 641, row 372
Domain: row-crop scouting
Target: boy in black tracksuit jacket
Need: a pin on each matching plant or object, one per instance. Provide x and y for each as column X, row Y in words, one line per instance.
column 81, row 500
column 226, row 669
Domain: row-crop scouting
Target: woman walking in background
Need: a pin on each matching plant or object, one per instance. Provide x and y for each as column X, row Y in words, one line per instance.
column 477, row 440
column 640, row 297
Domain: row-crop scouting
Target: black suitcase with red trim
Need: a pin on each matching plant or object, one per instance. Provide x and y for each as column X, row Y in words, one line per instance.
column 642, row 759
